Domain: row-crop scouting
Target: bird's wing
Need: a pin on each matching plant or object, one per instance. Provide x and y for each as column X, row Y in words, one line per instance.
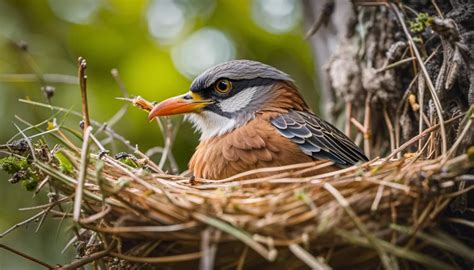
column 317, row 138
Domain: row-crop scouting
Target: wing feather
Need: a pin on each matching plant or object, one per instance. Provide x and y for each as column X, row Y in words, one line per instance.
column 317, row 138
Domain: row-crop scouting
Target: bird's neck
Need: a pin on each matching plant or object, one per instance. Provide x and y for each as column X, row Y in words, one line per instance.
column 285, row 97
column 211, row 124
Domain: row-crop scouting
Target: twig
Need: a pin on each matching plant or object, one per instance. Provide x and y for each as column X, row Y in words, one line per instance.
column 434, row 96
column 149, row 229
column 384, row 258
column 82, row 66
column 419, row 136
column 461, row 221
column 31, row 126
column 467, row 127
column 378, row 198
column 421, row 95
column 45, row 205
column 243, row 256
column 169, row 137
column 358, row 125
column 395, row 64
column 323, row 19
column 347, row 127
column 107, row 129
column 41, row 185
column 115, row 74
column 28, row 257
column 431, row 262
column 82, row 175
column 208, row 249
column 28, row 141
column 306, row 257
column 390, row 129
column 120, row 113
column 93, row 257
column 242, row 236
column 440, row 14
column 26, row 221
column 162, row 259
column 367, row 123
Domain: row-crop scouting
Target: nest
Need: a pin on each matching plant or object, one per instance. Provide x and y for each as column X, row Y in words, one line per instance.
column 130, row 213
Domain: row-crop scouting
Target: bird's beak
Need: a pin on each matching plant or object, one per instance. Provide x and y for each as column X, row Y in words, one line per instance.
column 187, row 103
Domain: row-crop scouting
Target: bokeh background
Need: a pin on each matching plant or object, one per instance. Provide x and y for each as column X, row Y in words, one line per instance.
column 158, row 47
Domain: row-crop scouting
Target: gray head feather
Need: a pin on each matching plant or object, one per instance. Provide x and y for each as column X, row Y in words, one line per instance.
column 238, row 70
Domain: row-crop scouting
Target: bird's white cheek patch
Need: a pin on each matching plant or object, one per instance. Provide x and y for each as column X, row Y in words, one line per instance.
column 238, row 101
column 211, row 124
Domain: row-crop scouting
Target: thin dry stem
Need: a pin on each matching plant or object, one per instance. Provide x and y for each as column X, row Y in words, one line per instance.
column 82, row 175
column 431, row 87
column 26, row 256
column 82, row 65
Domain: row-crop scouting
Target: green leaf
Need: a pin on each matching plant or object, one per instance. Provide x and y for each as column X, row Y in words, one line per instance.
column 13, row 164
column 64, row 163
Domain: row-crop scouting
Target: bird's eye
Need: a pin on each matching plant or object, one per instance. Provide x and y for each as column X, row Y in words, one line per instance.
column 223, row 86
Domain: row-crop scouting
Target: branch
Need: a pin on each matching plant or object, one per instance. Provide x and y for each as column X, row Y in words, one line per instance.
column 82, row 65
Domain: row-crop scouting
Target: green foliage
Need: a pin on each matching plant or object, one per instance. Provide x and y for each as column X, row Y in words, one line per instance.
column 29, row 184
column 20, row 171
column 420, row 23
column 470, row 153
column 128, row 159
column 64, row 163
column 12, row 164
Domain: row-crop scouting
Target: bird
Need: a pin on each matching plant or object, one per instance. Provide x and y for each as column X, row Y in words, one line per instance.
column 250, row 116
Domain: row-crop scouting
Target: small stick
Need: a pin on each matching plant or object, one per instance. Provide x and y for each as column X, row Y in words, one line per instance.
column 243, row 256
column 82, row 66
column 378, row 198
column 326, row 12
column 167, row 132
column 395, row 64
column 82, row 175
column 421, row 94
column 120, row 113
column 138, row 102
column 208, row 251
column 30, row 145
column 437, row 103
column 89, row 259
column 358, row 125
column 348, row 118
column 367, row 121
column 118, row 80
column 389, row 124
column 419, row 136
column 463, row 134
column 28, row 257
column 384, row 258
column 161, row 259
column 41, row 185
column 26, row 221
column 440, row 14
column 308, row 258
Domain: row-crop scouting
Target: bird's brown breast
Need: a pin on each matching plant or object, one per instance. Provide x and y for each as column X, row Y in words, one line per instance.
column 254, row 145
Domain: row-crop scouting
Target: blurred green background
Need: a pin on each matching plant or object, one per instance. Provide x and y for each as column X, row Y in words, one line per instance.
column 158, row 47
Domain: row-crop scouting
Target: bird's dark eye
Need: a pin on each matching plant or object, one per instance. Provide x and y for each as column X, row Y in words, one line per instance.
column 223, row 86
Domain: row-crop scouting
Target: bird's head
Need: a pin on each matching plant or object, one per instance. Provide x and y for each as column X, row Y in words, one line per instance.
column 229, row 95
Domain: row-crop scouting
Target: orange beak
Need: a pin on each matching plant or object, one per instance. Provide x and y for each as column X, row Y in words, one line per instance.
column 187, row 103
